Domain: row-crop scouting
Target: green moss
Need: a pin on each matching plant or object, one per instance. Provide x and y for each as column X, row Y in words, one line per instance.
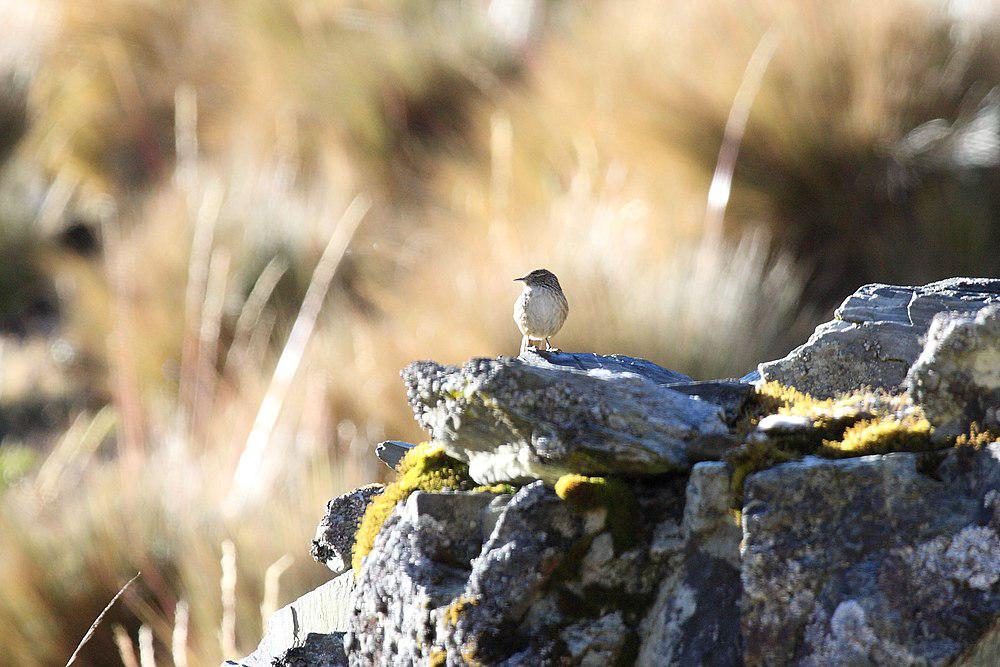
column 426, row 467
column 881, row 436
column 503, row 488
column 830, row 415
column 852, row 424
column 590, row 493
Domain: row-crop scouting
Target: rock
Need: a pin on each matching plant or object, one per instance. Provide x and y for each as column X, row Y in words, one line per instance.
column 868, row 561
column 731, row 396
column 321, row 614
column 335, row 533
column 875, row 337
column 547, row 585
column 419, row 562
column 956, row 379
column 773, row 425
column 695, row 618
column 511, row 420
column 391, row 452
column 917, row 306
column 605, row 363
column 316, row 651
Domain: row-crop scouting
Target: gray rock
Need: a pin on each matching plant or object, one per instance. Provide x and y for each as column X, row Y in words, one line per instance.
column 547, row 585
column 335, row 533
column 772, row 425
column 876, row 336
column 511, row 420
column 917, row 306
column 956, row 380
column 731, row 396
column 316, row 651
column 420, row 562
column 391, row 452
column 695, row 618
column 612, row 363
column 868, row 561
column 324, row 611
column 841, row 357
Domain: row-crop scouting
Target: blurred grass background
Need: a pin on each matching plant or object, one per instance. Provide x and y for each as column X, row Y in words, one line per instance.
column 172, row 173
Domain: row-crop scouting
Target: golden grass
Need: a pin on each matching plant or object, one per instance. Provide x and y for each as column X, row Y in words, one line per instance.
column 215, row 144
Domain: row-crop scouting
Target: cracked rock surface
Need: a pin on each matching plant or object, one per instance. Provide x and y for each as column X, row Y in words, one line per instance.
column 876, row 336
column 868, row 561
column 511, row 420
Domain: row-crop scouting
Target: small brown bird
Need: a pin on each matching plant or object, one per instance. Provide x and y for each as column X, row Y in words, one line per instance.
column 541, row 309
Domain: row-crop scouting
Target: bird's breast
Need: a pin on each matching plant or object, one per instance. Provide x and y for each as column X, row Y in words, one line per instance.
column 540, row 313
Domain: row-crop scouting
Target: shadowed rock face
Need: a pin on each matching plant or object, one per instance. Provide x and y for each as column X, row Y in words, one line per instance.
column 511, row 420
column 876, row 336
column 531, row 579
column 867, row 561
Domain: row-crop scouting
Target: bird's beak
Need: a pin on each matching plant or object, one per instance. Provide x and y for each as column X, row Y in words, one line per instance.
column 521, row 278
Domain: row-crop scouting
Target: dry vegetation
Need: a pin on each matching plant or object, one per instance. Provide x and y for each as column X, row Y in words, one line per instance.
column 173, row 173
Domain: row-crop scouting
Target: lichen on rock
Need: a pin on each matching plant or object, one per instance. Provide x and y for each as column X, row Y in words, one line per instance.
column 424, row 468
column 868, row 517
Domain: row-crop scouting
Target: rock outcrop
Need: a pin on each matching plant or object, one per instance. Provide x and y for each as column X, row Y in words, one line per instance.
column 875, row 336
column 336, row 530
column 956, row 380
column 311, row 628
column 868, row 560
column 730, row 524
column 512, row 420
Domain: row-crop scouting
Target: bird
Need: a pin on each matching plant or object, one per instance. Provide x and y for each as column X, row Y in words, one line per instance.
column 541, row 308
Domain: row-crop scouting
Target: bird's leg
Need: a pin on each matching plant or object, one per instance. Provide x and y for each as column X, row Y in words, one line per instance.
column 548, row 343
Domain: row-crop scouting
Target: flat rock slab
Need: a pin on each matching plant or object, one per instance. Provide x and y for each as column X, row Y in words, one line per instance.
column 612, row 363
column 391, row 452
column 876, row 336
column 868, row 561
column 730, row 395
column 324, row 611
column 513, row 420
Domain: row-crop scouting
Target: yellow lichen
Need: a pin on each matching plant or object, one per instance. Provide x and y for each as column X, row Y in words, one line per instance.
column 426, row 467
column 850, row 424
column 881, row 436
column 977, row 437
column 437, row 658
column 454, row 611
